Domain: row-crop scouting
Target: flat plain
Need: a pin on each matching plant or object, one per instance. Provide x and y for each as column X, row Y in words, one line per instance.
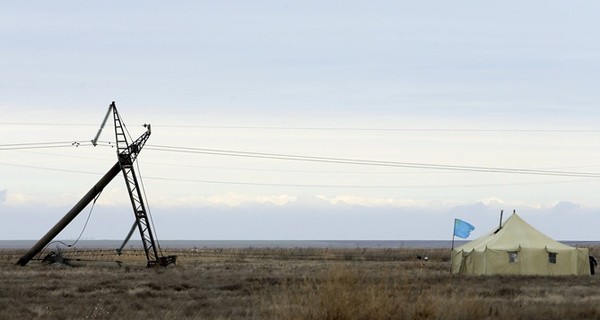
column 284, row 283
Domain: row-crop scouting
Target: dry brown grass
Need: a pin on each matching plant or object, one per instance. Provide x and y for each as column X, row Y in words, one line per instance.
column 277, row 283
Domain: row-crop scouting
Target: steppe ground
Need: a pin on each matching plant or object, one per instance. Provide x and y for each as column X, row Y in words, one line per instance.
column 298, row 283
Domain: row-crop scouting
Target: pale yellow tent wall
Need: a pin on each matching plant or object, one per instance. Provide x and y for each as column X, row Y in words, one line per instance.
column 532, row 249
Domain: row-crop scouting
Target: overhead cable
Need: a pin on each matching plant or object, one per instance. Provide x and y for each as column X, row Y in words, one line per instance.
column 264, row 184
column 322, row 128
column 436, row 186
column 290, row 157
column 44, row 145
column 285, row 128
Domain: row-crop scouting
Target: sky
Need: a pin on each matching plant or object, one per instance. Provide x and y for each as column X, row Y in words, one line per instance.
column 400, row 116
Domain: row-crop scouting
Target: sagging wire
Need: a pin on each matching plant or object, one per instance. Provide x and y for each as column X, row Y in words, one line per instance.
column 369, row 162
column 87, row 220
column 44, row 145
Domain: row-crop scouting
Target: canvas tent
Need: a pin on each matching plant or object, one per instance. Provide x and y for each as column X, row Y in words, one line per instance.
column 518, row 248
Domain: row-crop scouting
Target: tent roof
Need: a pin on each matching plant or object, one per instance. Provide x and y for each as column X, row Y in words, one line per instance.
column 515, row 233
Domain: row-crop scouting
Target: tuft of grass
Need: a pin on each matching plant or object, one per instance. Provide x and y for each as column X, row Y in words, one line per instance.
column 346, row 293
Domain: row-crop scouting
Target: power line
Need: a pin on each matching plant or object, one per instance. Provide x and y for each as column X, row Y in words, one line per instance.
column 80, row 233
column 289, row 170
column 325, row 128
column 47, row 124
column 44, row 145
column 367, row 186
column 372, row 129
column 109, row 144
column 280, row 156
column 48, row 168
column 291, row 157
column 222, row 182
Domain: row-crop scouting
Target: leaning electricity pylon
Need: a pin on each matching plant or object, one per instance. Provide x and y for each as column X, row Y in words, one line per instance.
column 126, row 155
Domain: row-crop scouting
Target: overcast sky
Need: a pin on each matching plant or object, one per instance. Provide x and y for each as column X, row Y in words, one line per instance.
column 506, row 85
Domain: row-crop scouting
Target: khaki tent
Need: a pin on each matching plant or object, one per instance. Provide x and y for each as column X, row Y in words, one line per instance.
column 518, row 248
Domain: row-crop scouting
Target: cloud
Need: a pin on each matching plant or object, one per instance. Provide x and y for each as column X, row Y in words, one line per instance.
column 232, row 200
column 284, row 217
column 20, row 199
column 240, row 200
column 566, row 207
column 365, row 201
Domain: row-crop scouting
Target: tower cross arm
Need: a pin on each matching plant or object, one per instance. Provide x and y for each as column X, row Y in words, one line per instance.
column 135, row 147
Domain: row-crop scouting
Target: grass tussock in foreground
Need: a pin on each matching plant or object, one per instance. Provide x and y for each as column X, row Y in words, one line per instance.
column 344, row 292
column 278, row 283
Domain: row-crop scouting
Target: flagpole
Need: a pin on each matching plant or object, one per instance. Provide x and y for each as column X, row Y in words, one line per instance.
column 452, row 248
column 453, row 234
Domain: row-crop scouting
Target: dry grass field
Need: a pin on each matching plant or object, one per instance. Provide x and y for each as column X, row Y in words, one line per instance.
column 297, row 283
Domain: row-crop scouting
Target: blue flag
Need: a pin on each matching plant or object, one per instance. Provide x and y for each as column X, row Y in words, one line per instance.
column 462, row 229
